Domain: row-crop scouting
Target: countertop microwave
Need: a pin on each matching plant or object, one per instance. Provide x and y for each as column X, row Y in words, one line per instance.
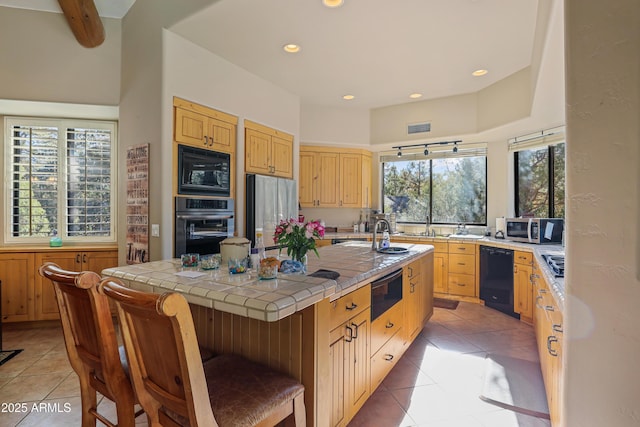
column 534, row 230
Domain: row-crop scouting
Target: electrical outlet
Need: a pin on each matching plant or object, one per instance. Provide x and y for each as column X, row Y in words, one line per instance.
column 155, row 230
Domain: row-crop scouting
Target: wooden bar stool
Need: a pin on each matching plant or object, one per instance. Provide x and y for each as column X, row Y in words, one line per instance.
column 176, row 388
column 92, row 346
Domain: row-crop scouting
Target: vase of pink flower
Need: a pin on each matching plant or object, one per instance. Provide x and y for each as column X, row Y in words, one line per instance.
column 298, row 237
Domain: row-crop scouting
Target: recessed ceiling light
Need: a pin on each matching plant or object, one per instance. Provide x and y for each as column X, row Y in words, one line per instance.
column 291, row 48
column 333, row 3
column 415, row 95
column 348, row 97
column 478, row 73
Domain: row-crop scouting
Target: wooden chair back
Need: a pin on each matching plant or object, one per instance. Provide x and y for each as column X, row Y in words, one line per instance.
column 160, row 340
column 91, row 343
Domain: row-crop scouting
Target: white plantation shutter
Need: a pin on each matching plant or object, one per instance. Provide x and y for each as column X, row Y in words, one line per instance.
column 62, row 179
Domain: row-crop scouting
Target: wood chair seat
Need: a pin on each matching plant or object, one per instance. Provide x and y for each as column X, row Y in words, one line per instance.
column 176, row 388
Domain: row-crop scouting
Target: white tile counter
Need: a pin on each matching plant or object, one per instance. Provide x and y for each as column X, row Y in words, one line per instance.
column 269, row 300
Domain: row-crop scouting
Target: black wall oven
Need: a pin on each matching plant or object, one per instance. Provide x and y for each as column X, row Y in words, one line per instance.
column 385, row 292
column 201, row 224
column 203, row 172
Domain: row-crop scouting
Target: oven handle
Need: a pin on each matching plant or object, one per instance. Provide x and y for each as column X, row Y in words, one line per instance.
column 386, row 279
column 199, row 217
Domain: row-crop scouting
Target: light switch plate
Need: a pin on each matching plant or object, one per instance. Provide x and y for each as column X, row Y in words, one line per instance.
column 155, row 230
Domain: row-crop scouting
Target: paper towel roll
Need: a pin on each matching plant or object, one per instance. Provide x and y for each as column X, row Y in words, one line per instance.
column 500, row 224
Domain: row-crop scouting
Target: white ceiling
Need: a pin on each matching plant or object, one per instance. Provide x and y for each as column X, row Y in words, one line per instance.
column 380, row 51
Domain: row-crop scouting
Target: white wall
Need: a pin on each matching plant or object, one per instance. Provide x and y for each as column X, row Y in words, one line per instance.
column 192, row 73
column 602, row 319
column 42, row 60
column 325, row 125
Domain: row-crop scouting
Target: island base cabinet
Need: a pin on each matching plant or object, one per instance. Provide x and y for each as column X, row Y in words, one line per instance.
column 349, row 366
column 386, row 358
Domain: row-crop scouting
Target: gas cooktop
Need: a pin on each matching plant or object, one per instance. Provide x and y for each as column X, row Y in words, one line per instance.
column 556, row 263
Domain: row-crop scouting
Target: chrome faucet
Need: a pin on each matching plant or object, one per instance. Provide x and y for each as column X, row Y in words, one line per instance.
column 374, row 243
column 427, row 226
column 462, row 228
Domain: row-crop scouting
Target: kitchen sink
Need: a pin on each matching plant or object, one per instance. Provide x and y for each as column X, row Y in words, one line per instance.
column 393, row 250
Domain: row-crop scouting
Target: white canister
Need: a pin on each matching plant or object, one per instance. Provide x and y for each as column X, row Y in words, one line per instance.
column 234, row 247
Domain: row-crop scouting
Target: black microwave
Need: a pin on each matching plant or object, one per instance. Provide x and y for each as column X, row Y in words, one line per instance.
column 203, row 172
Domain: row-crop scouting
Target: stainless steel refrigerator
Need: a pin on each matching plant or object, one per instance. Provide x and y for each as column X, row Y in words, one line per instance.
column 269, row 200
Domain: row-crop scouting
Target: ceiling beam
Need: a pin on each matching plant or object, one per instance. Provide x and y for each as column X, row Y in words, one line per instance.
column 84, row 21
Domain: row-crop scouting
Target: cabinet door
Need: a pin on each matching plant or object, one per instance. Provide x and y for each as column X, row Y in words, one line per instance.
column 99, row 260
column 359, row 357
column 257, row 152
column 411, row 295
column 366, row 182
column 307, row 180
column 440, row 272
column 350, row 180
column 46, row 306
column 282, row 157
column 222, row 135
column 328, row 183
column 191, row 128
column 522, row 290
column 17, row 276
column 338, row 363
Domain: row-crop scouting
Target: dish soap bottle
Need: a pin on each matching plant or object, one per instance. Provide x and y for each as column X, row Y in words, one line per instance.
column 55, row 241
column 385, row 242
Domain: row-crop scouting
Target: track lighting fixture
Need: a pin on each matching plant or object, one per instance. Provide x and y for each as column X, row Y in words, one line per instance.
column 426, row 146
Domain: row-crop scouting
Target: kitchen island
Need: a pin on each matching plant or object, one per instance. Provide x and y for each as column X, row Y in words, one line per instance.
column 318, row 330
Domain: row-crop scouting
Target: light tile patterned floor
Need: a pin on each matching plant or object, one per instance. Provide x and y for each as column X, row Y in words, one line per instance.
column 435, row 384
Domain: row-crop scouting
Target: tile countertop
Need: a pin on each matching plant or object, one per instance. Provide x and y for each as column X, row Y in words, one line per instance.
column 555, row 283
column 269, row 300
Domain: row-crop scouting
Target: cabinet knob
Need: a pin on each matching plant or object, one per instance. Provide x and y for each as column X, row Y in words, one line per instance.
column 388, row 357
column 389, row 325
column 352, row 306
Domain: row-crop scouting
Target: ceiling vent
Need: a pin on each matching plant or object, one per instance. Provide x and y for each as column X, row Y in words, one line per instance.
column 418, row 128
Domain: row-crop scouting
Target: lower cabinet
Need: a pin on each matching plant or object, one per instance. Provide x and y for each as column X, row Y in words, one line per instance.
column 17, row 275
column 27, row 296
column 412, row 295
column 349, row 361
column 522, row 285
column 548, row 325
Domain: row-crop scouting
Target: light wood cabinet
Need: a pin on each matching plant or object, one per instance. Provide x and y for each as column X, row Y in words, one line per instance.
column 17, row 276
column 413, row 297
column 46, row 306
column 331, row 178
column 349, row 357
column 268, row 151
column 204, row 127
column 27, row 296
column 522, row 285
column 462, row 269
column 548, row 326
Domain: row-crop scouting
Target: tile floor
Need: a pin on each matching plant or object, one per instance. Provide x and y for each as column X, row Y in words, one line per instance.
column 436, row 383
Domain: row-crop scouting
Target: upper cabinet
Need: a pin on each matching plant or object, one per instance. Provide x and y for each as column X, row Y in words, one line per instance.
column 332, row 177
column 204, row 127
column 267, row 151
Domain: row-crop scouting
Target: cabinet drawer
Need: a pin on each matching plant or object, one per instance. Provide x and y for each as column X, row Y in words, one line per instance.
column 462, row 248
column 413, row 270
column 523, row 257
column 349, row 305
column 463, row 264
column 385, row 326
column 386, row 358
column 440, row 246
column 462, row 284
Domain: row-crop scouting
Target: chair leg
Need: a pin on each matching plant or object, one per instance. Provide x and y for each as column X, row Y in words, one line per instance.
column 89, row 401
column 299, row 411
column 126, row 414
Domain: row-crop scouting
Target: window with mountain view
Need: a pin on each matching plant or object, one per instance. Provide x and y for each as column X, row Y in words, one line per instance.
column 447, row 190
column 540, row 181
column 60, row 179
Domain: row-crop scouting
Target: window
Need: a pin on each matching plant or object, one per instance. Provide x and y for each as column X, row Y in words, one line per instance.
column 61, row 179
column 448, row 189
column 539, row 181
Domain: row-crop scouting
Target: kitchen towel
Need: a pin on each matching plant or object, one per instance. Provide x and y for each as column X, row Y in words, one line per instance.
column 325, row 274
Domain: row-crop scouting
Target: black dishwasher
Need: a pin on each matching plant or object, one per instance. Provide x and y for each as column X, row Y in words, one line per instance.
column 496, row 279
